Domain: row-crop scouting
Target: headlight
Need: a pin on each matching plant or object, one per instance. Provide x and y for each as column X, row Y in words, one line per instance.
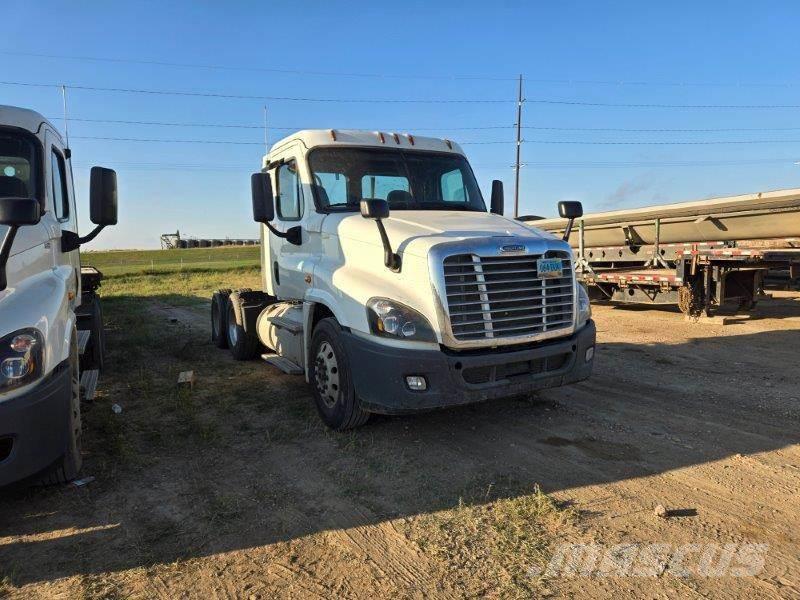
column 391, row 319
column 21, row 358
column 584, row 307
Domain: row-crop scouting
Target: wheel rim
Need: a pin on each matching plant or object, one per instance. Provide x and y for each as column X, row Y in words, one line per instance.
column 233, row 331
column 327, row 374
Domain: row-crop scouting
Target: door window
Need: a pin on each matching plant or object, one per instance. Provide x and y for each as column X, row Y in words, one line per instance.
column 290, row 197
column 59, row 178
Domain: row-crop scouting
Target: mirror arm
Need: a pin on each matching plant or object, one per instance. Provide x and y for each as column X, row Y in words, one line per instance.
column 5, row 251
column 568, row 229
column 72, row 241
column 390, row 259
column 293, row 235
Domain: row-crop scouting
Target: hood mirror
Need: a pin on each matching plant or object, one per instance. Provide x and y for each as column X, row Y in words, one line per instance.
column 378, row 209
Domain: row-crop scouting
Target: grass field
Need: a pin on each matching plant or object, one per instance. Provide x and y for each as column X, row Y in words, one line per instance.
column 124, row 262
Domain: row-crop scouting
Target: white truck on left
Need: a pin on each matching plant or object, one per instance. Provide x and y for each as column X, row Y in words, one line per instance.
column 51, row 331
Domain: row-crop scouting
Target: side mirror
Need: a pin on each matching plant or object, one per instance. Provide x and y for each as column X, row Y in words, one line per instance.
column 263, row 199
column 374, row 208
column 16, row 212
column 570, row 210
column 103, row 196
column 377, row 209
column 498, row 199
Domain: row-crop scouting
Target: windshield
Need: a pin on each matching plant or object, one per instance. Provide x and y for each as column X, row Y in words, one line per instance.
column 407, row 180
column 17, row 160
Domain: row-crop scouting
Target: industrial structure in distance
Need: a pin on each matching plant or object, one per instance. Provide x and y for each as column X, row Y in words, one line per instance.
column 174, row 240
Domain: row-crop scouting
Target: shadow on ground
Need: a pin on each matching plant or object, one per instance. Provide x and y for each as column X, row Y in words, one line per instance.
column 242, row 461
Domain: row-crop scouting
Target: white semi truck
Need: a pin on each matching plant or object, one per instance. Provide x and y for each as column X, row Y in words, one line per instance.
column 51, row 331
column 392, row 289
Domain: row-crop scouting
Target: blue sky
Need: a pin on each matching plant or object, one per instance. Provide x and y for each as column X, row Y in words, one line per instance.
column 675, row 53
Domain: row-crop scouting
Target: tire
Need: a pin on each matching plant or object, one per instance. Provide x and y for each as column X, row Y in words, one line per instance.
column 93, row 357
column 219, row 313
column 243, row 345
column 332, row 384
column 72, row 461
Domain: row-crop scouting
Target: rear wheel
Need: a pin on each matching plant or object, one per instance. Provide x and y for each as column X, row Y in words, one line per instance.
column 219, row 311
column 93, row 358
column 243, row 345
column 334, row 394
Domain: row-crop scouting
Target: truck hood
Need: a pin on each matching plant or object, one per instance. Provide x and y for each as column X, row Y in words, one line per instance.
column 416, row 231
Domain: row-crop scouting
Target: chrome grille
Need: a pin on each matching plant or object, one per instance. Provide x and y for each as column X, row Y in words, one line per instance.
column 503, row 296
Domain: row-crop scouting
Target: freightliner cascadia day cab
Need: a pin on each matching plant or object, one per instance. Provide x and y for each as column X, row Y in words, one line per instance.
column 392, row 289
column 51, row 333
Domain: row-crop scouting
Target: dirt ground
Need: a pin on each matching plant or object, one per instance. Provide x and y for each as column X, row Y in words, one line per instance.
column 235, row 489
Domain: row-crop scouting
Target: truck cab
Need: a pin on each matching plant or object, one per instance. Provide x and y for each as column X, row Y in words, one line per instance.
column 389, row 284
column 50, row 325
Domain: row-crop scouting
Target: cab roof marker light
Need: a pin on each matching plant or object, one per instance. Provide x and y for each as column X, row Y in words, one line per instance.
column 396, row 138
column 449, row 144
column 410, row 138
column 333, row 134
column 380, row 137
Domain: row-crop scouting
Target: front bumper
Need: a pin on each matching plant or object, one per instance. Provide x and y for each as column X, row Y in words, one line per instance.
column 33, row 427
column 455, row 378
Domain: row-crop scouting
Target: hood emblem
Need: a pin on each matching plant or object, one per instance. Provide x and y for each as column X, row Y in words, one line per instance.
column 512, row 248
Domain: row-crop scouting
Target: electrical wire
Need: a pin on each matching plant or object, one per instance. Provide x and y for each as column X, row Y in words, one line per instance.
column 475, row 77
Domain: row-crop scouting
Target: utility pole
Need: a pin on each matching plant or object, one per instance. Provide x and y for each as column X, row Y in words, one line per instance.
column 519, row 147
column 266, row 142
column 67, row 151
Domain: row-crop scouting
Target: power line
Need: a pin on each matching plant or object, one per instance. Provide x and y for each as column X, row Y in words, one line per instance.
column 217, row 67
column 658, row 105
column 543, row 101
column 467, row 143
column 307, row 72
column 261, row 126
column 542, row 165
column 477, row 128
column 261, row 98
column 663, row 129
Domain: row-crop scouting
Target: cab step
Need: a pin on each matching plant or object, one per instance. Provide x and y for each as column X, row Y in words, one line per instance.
column 284, row 364
column 83, row 340
column 89, row 384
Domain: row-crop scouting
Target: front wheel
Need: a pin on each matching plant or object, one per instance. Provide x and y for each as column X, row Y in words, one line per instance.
column 72, row 461
column 334, row 394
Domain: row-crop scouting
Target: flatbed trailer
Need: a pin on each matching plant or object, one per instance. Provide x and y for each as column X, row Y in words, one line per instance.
column 699, row 277
column 698, row 255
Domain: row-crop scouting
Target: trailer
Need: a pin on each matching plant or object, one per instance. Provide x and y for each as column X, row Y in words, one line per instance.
column 698, row 255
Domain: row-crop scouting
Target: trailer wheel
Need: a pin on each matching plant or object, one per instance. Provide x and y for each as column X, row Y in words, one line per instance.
column 334, row 394
column 72, row 461
column 242, row 344
column 219, row 312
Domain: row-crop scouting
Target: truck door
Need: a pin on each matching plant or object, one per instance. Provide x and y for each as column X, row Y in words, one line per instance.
column 291, row 210
column 62, row 204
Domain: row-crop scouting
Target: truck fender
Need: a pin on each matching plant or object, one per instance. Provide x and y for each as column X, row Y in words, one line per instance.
column 310, row 310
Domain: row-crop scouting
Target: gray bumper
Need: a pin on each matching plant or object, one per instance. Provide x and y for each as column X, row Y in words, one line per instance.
column 455, row 378
column 34, row 427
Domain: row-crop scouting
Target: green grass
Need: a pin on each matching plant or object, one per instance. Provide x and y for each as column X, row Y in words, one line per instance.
column 114, row 263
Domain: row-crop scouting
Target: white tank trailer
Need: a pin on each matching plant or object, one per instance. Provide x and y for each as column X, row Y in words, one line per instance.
column 698, row 254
